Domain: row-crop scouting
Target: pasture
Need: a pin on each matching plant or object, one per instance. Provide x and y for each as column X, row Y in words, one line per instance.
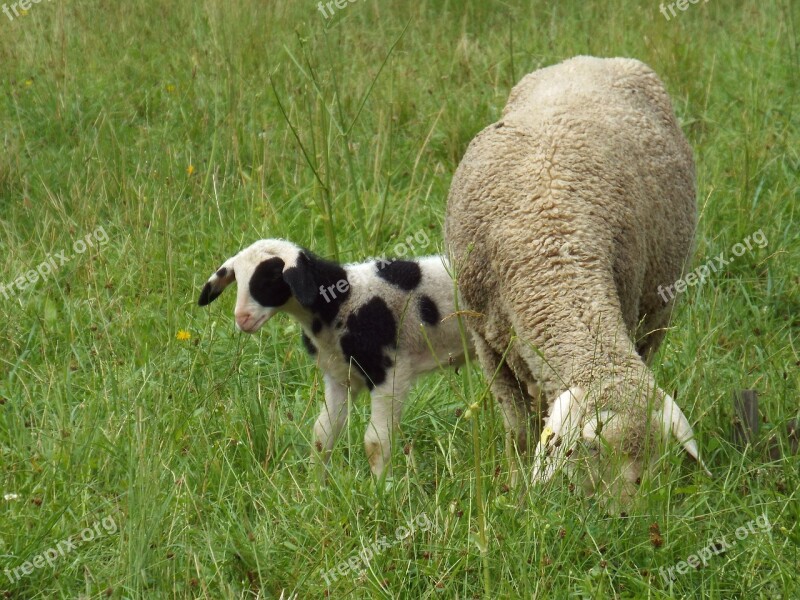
column 146, row 141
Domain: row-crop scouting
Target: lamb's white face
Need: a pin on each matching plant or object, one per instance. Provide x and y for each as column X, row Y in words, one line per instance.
column 262, row 289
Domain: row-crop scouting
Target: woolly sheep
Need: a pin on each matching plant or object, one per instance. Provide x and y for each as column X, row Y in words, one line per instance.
column 563, row 219
column 376, row 325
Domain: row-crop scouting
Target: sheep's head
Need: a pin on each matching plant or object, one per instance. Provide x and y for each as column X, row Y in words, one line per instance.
column 606, row 447
column 273, row 276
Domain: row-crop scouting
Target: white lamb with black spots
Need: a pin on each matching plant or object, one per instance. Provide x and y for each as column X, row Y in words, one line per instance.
column 376, row 325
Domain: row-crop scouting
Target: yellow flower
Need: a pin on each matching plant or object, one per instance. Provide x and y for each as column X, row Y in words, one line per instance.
column 28, row 82
column 23, row 12
column 170, row 89
column 190, row 170
column 183, row 335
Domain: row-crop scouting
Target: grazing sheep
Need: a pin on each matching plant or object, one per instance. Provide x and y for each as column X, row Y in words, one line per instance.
column 376, row 325
column 563, row 219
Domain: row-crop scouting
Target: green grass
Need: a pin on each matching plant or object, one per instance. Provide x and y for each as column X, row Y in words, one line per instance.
column 342, row 135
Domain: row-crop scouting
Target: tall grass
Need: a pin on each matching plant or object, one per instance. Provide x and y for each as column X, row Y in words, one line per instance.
column 188, row 130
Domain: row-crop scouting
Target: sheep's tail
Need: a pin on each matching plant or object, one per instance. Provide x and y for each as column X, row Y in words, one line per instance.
column 674, row 422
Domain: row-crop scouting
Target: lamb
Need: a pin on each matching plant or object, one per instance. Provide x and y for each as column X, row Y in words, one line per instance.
column 563, row 219
column 376, row 325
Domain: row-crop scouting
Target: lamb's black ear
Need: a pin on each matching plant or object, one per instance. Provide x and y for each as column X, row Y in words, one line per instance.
column 217, row 283
column 301, row 279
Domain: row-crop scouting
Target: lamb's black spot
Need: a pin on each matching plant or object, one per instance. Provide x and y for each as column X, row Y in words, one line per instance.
column 310, row 277
column 339, row 324
column 267, row 286
column 428, row 311
column 371, row 330
column 499, row 125
column 310, row 347
column 405, row 274
column 221, row 272
column 316, row 326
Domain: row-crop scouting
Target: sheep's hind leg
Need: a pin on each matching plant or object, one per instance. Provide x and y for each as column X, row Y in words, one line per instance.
column 652, row 331
column 515, row 404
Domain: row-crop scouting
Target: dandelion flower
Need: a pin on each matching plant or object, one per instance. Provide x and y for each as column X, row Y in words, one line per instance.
column 28, row 82
column 183, row 335
column 190, row 170
column 170, row 89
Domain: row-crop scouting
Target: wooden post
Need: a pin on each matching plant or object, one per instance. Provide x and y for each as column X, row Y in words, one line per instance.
column 745, row 417
column 794, row 436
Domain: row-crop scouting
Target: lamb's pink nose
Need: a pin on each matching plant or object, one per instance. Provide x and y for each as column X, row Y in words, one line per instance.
column 244, row 319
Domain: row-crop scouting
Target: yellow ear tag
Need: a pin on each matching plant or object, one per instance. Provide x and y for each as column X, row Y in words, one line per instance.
column 547, row 433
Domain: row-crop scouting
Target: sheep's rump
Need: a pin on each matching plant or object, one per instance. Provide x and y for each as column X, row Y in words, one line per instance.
column 583, row 188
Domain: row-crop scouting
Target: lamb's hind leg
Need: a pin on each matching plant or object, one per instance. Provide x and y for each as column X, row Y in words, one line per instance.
column 387, row 408
column 515, row 404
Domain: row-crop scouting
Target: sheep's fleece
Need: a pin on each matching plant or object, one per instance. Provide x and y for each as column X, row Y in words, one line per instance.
column 375, row 325
column 563, row 219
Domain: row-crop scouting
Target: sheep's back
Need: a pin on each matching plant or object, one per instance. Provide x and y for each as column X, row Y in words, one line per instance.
column 588, row 161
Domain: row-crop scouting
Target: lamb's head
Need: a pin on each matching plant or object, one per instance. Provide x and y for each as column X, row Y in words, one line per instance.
column 606, row 447
column 272, row 276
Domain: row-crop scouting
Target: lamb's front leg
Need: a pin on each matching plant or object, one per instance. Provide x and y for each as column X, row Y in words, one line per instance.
column 329, row 423
column 387, row 408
